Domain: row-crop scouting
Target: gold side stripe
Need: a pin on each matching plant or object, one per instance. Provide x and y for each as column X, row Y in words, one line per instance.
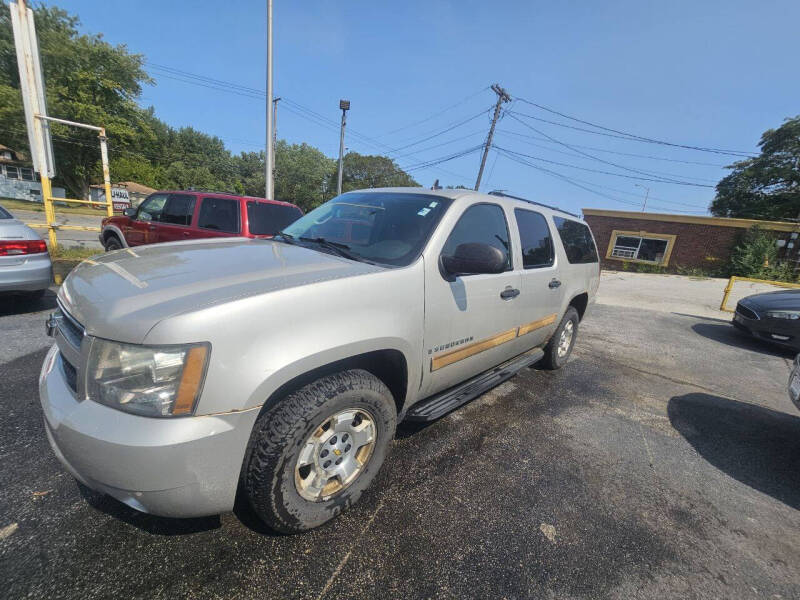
column 448, row 358
column 534, row 325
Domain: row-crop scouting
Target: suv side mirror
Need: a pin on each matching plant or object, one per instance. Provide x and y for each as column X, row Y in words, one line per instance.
column 474, row 259
column 129, row 212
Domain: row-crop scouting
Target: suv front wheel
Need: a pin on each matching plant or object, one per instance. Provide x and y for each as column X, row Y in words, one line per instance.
column 312, row 455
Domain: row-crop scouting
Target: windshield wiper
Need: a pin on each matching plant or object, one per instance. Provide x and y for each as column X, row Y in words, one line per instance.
column 285, row 237
column 338, row 247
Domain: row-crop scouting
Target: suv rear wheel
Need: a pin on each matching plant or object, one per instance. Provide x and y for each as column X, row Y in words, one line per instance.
column 558, row 349
column 313, row 454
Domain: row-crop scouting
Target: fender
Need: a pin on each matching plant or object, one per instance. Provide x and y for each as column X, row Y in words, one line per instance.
column 116, row 230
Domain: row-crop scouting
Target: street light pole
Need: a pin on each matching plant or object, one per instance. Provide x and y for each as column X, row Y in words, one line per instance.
column 269, row 184
column 646, row 195
column 345, row 106
column 274, row 140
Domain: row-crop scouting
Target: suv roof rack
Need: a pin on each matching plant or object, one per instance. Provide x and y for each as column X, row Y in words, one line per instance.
column 206, row 191
column 506, row 195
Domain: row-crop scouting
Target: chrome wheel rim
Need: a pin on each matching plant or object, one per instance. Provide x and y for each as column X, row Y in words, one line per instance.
column 335, row 454
column 565, row 341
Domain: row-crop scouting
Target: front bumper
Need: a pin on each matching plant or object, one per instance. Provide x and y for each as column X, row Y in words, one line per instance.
column 180, row 467
column 26, row 273
column 776, row 331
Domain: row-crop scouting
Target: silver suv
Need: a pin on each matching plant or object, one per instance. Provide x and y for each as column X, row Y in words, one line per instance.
column 185, row 372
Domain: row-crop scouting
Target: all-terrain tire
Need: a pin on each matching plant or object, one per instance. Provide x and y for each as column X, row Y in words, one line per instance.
column 280, row 433
column 553, row 359
column 112, row 243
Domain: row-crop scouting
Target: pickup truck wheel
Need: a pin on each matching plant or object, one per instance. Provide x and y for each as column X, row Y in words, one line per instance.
column 312, row 455
column 112, row 243
column 558, row 349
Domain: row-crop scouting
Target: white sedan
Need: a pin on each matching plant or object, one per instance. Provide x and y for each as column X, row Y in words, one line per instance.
column 24, row 260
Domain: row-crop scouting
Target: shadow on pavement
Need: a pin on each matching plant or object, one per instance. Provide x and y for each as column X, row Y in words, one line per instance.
column 19, row 304
column 702, row 318
column 755, row 445
column 727, row 334
column 149, row 523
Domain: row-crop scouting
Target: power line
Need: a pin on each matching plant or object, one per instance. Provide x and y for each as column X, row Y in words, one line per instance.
column 544, row 139
column 598, row 159
column 638, row 139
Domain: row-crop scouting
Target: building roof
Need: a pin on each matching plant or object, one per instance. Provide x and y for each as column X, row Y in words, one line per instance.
column 696, row 220
column 17, row 155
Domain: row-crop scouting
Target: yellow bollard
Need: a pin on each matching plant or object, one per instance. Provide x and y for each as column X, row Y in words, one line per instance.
column 49, row 211
column 728, row 289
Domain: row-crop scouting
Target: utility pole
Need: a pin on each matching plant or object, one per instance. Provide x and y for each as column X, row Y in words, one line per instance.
column 502, row 96
column 269, row 159
column 345, row 106
column 274, row 139
column 646, row 195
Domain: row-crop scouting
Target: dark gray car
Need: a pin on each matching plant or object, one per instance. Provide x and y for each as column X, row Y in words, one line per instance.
column 772, row 317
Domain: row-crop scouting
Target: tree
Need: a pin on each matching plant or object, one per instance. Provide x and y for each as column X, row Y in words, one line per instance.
column 361, row 171
column 87, row 80
column 300, row 174
column 767, row 186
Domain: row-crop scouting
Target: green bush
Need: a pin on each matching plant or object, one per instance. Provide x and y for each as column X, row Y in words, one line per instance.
column 756, row 256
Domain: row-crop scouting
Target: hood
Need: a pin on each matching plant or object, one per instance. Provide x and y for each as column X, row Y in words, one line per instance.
column 122, row 295
column 783, row 300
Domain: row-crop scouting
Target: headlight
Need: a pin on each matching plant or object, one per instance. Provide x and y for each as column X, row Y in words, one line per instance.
column 784, row 314
column 157, row 381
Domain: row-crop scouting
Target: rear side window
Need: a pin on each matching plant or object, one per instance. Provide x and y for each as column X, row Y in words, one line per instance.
column 219, row 214
column 537, row 243
column 577, row 240
column 481, row 223
column 268, row 219
column 178, row 210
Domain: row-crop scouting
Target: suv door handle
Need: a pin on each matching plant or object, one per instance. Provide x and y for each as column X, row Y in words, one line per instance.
column 554, row 283
column 509, row 293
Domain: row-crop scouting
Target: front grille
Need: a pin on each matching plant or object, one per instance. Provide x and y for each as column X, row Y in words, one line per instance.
column 70, row 374
column 747, row 313
column 69, row 327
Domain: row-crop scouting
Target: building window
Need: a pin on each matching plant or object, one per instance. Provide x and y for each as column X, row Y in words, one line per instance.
column 12, row 172
column 5, row 154
column 26, row 173
column 640, row 246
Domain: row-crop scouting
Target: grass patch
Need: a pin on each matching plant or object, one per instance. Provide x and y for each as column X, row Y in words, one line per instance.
column 63, row 253
column 13, row 205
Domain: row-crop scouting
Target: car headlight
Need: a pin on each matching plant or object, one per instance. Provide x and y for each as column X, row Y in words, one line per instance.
column 784, row 314
column 152, row 381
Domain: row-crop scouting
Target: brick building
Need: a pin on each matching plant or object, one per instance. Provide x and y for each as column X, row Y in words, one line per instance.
column 671, row 241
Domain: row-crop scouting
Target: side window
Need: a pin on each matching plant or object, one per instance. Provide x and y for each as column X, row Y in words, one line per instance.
column 151, row 208
column 481, row 223
column 537, row 243
column 577, row 240
column 219, row 214
column 178, row 210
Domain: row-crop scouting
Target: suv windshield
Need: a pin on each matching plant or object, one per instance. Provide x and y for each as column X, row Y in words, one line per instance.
column 265, row 218
column 389, row 228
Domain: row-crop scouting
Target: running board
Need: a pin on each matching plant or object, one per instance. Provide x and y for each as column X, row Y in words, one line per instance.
column 444, row 402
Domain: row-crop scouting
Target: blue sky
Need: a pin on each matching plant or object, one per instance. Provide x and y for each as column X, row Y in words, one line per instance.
column 715, row 74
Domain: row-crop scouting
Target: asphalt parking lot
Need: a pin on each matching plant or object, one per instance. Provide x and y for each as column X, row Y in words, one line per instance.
column 661, row 462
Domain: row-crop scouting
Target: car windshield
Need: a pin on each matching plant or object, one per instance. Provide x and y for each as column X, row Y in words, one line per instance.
column 5, row 214
column 390, row 228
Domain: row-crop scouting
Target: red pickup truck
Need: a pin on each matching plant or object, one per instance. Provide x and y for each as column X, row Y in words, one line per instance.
column 171, row 216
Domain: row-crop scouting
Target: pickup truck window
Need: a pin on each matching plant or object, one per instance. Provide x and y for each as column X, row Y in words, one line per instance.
column 387, row 228
column 219, row 214
column 151, row 208
column 537, row 243
column 481, row 223
column 577, row 240
column 179, row 210
column 265, row 218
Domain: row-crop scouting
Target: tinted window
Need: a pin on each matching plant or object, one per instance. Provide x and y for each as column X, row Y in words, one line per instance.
column 577, row 240
column 268, row 219
column 537, row 244
column 384, row 227
column 5, row 214
column 178, row 210
column 151, row 208
column 481, row 223
column 219, row 214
